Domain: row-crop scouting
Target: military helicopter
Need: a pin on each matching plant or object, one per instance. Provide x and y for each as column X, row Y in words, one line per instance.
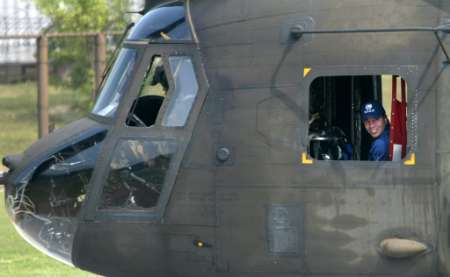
column 215, row 147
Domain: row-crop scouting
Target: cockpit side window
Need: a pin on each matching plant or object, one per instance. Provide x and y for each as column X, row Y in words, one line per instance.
column 184, row 92
column 358, row 118
column 116, row 83
column 153, row 91
column 137, row 175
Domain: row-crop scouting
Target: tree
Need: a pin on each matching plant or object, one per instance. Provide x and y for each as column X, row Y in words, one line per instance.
column 85, row 15
column 72, row 57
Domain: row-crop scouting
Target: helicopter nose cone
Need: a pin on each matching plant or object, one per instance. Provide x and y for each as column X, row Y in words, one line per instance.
column 12, row 161
column 46, row 187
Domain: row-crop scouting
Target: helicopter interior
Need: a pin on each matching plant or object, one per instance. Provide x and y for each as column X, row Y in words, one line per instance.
column 155, row 89
column 145, row 109
column 336, row 131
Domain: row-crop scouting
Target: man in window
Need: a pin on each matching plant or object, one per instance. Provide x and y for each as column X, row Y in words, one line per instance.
column 376, row 123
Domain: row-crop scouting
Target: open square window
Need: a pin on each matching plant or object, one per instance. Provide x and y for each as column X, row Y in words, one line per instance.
column 358, row 118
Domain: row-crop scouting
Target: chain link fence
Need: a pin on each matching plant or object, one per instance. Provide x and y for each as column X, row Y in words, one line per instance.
column 57, row 87
column 64, row 75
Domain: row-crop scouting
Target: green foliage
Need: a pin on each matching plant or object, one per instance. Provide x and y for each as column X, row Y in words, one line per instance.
column 18, row 109
column 72, row 58
column 85, row 15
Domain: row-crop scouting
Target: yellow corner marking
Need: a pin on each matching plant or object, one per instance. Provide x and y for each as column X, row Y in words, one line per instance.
column 306, row 71
column 412, row 160
column 305, row 159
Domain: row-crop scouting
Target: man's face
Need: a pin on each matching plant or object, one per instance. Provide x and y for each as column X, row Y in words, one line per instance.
column 375, row 126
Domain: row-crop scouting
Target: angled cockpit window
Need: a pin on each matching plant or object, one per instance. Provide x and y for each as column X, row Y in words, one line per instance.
column 163, row 23
column 155, row 90
column 116, row 83
column 137, row 175
column 184, row 92
column 145, row 108
column 358, row 118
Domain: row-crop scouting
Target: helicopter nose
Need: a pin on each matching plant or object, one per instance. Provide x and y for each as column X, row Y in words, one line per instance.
column 45, row 187
column 12, row 161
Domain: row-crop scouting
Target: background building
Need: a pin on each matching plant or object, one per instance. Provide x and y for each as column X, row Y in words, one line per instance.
column 19, row 17
column 17, row 56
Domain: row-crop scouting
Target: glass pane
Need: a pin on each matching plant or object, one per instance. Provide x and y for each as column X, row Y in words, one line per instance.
column 163, row 23
column 184, row 93
column 145, row 108
column 116, row 83
column 45, row 207
column 138, row 172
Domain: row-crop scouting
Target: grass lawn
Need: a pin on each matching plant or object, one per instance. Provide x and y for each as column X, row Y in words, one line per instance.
column 18, row 121
column 18, row 114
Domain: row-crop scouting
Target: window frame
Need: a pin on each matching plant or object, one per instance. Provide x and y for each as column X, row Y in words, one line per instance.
column 408, row 73
column 157, row 132
column 171, row 95
column 151, row 212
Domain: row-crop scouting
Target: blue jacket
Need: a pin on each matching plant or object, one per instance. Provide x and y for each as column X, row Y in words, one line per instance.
column 379, row 150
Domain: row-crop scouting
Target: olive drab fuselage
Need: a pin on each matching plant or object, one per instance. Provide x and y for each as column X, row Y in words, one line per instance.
column 217, row 147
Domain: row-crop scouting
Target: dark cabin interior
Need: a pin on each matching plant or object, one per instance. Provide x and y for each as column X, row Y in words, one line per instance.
column 334, row 114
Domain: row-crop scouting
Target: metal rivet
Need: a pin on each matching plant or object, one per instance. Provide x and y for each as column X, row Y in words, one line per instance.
column 223, row 154
column 296, row 31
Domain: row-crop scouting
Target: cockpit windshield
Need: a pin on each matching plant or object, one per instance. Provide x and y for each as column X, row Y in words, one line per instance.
column 116, row 84
column 163, row 23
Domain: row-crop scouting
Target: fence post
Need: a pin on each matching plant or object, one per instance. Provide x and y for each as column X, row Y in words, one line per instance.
column 42, row 85
column 100, row 60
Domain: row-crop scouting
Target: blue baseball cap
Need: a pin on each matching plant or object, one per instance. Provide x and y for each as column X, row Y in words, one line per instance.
column 372, row 109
